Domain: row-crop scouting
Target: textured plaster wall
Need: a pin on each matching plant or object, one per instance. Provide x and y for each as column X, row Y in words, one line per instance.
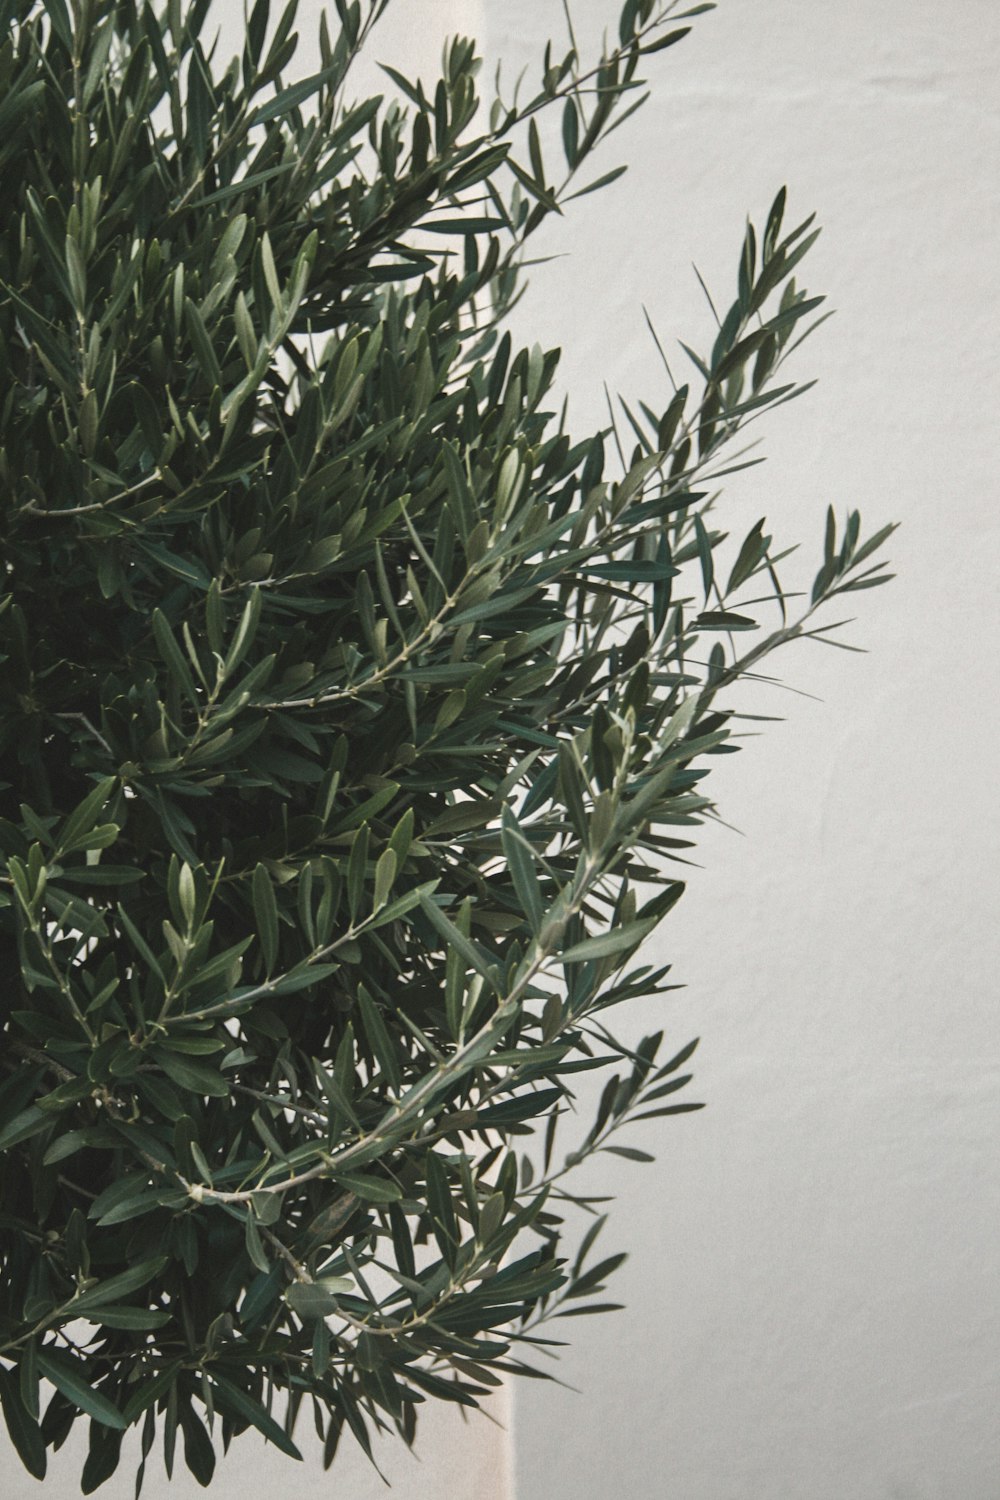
column 813, row 1283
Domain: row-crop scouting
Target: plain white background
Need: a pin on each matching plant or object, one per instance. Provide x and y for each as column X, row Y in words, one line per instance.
column 812, row 1295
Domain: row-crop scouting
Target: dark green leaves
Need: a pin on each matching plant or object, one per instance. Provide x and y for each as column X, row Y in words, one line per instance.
column 235, row 1401
column 202, row 345
column 317, row 1299
column 751, row 553
column 73, row 1378
column 266, row 913
column 368, row 1188
column 606, row 944
column 28, row 1123
column 521, row 860
column 172, row 655
column 291, row 97
column 79, row 826
column 381, row 1043
column 197, row 1078
column 454, row 939
column 132, row 1319
column 724, row 619
column 199, row 1455
column 117, row 1287
column 671, row 38
column 392, row 696
column 25, row 1433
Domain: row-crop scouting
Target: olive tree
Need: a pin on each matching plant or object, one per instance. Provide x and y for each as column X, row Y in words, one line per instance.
column 354, row 719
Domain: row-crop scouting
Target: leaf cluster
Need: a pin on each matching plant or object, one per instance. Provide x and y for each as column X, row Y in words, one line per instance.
column 354, row 719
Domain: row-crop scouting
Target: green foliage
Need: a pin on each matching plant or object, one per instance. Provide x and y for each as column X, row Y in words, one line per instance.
column 353, row 720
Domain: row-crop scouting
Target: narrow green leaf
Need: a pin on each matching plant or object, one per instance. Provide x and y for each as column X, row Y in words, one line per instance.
column 317, row 1299
column 385, row 874
column 266, row 912
column 132, row 1319
column 607, row 943
column 204, row 352
column 173, row 656
column 599, row 182
column 370, row 1189
column 255, row 1245
column 724, row 619
column 470, row 953
column 191, row 1075
column 25, row 1433
column 199, row 1454
column 229, row 1397
column 521, row 861
column 662, row 42
column 117, row 1287
column 28, row 1123
column 290, row 98
column 71, row 1377
column 379, row 1039
column 751, row 553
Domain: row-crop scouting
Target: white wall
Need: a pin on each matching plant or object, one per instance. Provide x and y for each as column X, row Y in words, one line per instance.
column 813, row 1284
